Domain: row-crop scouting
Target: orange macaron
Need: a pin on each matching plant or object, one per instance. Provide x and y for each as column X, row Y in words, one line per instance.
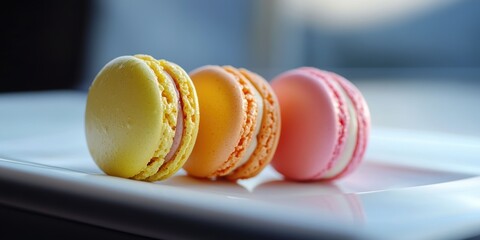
column 240, row 126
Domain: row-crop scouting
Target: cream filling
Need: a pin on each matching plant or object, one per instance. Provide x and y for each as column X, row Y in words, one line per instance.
column 253, row 144
column 351, row 140
column 179, row 127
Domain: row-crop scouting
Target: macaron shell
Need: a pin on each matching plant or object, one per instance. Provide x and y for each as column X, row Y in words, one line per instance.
column 191, row 121
column 312, row 122
column 169, row 120
column 268, row 137
column 363, row 119
column 343, row 116
column 223, row 109
column 125, row 105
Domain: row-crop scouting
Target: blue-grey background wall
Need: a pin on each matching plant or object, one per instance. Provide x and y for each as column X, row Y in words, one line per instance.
column 63, row 44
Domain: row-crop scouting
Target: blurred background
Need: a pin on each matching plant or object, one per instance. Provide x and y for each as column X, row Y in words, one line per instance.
column 417, row 62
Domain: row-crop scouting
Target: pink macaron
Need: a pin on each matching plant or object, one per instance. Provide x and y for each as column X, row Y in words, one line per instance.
column 325, row 125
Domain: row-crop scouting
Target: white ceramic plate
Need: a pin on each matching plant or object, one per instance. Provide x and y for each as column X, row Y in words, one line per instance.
column 412, row 185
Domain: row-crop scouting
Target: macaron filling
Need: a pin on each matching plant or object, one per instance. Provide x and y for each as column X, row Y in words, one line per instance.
column 258, row 125
column 351, row 141
column 180, row 125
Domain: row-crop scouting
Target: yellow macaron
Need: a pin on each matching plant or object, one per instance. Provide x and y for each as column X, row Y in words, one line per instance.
column 240, row 126
column 141, row 118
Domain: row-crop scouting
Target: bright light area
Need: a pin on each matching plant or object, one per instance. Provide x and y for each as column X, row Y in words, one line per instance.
column 348, row 14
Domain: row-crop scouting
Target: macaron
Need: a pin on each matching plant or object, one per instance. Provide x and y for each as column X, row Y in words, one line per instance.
column 325, row 125
column 141, row 118
column 240, row 126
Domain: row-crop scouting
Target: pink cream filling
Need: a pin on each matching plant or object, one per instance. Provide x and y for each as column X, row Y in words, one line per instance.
column 179, row 128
